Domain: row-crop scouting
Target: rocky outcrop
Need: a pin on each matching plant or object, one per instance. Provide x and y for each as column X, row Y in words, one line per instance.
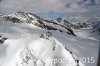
column 29, row 57
column 21, row 17
column 2, row 39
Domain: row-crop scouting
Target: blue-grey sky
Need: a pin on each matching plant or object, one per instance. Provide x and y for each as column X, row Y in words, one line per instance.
column 52, row 7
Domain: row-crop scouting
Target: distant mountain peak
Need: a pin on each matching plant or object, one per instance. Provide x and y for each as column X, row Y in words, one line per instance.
column 21, row 17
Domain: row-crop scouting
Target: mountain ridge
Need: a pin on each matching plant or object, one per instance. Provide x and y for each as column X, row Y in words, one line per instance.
column 20, row 17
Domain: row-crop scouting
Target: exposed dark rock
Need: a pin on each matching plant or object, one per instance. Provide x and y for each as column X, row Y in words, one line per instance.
column 76, row 60
column 12, row 19
column 36, row 20
column 71, row 32
column 2, row 39
column 46, row 35
column 59, row 19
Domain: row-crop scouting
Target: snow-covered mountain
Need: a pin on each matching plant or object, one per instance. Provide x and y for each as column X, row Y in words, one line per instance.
column 28, row 40
column 76, row 23
column 20, row 17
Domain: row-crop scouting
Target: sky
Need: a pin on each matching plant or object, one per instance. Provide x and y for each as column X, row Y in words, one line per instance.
column 52, row 8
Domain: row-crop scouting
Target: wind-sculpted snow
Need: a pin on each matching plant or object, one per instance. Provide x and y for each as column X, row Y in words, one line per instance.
column 45, row 52
column 32, row 48
column 32, row 43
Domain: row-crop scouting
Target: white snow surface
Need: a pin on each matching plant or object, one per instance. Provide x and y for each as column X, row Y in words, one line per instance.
column 24, row 47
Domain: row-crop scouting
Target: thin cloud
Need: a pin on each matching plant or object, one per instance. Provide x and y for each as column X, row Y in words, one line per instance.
column 60, row 6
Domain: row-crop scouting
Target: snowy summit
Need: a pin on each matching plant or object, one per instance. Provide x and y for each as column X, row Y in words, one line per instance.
column 29, row 40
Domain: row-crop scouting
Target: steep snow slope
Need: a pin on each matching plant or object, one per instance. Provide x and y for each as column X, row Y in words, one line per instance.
column 27, row 35
column 21, row 17
column 30, row 45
